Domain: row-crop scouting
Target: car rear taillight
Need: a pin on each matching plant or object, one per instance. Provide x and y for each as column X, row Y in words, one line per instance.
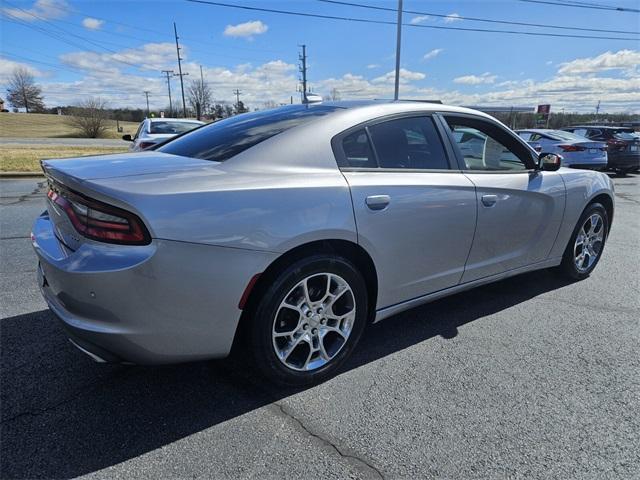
column 616, row 145
column 145, row 145
column 572, row 148
column 99, row 221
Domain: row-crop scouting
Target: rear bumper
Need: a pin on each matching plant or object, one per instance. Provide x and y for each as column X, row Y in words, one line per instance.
column 624, row 160
column 166, row 302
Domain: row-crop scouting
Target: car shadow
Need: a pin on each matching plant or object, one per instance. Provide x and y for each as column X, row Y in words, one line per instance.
column 64, row 416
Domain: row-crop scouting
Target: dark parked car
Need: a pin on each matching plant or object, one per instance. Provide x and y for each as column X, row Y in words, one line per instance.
column 623, row 145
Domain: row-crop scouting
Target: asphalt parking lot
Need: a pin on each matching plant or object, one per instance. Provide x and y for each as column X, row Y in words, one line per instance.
column 531, row 377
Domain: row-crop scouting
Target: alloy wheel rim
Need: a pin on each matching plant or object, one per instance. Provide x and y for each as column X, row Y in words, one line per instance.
column 314, row 322
column 589, row 241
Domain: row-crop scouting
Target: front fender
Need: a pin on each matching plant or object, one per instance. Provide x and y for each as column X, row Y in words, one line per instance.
column 582, row 187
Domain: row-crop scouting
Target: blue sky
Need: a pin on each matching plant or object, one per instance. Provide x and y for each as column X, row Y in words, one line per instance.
column 117, row 49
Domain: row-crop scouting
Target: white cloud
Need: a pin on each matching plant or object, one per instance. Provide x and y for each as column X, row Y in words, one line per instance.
column 549, row 62
column 625, row 60
column 276, row 81
column 92, row 23
column 246, row 30
column 8, row 66
column 485, row 78
column 373, row 65
column 432, row 54
column 405, row 76
column 419, row 19
column 41, row 10
column 150, row 56
column 452, row 17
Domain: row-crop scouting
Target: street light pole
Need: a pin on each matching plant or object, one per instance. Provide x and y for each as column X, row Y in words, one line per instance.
column 398, row 41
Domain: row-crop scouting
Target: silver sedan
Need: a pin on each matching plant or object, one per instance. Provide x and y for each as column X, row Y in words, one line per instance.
column 285, row 232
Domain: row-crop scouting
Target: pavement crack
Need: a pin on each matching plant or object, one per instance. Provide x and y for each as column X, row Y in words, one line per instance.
column 364, row 465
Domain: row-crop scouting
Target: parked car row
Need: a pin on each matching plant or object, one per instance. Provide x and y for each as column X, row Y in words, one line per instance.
column 589, row 147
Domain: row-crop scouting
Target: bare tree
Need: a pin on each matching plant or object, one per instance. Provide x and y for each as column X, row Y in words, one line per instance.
column 23, row 92
column 199, row 93
column 335, row 94
column 90, row 117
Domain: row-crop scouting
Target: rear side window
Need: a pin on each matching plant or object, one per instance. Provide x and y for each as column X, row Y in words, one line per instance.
column 224, row 139
column 357, row 150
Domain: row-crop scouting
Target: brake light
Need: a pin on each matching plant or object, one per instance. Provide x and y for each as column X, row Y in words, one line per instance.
column 99, row 221
column 613, row 145
column 145, row 145
column 572, row 148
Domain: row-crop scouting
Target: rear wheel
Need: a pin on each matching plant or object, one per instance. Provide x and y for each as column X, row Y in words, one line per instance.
column 587, row 242
column 309, row 320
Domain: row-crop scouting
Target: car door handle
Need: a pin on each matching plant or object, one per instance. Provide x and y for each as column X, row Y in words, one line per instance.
column 489, row 200
column 377, row 202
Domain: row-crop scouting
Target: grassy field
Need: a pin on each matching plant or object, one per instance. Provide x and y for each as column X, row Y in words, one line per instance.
column 40, row 125
column 26, row 158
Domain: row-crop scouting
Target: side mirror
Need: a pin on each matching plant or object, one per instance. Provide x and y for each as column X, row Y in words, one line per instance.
column 127, row 138
column 549, row 162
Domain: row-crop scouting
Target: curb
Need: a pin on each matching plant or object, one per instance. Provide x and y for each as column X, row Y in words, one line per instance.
column 21, row 175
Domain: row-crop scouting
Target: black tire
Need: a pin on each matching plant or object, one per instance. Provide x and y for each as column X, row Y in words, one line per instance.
column 568, row 266
column 262, row 318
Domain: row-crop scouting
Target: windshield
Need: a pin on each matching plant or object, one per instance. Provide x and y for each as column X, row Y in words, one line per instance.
column 170, row 127
column 222, row 140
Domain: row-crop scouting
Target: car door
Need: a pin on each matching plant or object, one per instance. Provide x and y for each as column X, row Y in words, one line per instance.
column 520, row 208
column 415, row 215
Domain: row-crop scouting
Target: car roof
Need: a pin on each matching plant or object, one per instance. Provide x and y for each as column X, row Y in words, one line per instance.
column 164, row 119
column 608, row 127
column 536, row 130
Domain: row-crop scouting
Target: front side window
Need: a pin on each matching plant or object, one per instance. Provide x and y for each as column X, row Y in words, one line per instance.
column 485, row 146
column 411, row 142
column 526, row 136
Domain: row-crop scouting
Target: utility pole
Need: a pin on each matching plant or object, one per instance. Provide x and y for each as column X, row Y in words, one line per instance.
column 597, row 110
column 303, row 71
column 169, row 74
column 146, row 93
column 180, row 74
column 237, row 93
column 398, row 41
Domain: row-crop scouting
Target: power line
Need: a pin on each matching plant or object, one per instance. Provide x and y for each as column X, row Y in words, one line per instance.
column 157, row 32
column 62, row 30
column 477, row 19
column 385, row 22
column 594, row 6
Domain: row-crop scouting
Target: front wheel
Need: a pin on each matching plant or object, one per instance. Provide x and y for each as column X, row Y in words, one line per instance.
column 587, row 242
column 309, row 320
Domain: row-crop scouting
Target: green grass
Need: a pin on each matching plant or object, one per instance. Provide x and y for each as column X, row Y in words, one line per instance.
column 26, row 158
column 42, row 125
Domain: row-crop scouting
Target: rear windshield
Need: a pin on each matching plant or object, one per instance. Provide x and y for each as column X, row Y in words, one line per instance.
column 624, row 135
column 222, row 140
column 172, row 127
column 562, row 135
